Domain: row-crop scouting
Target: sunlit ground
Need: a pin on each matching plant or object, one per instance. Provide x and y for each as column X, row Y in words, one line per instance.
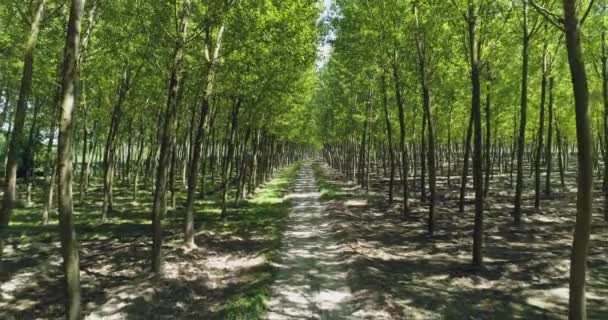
column 311, row 281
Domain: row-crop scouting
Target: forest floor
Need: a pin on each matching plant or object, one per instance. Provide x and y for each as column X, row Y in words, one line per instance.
column 311, row 244
column 394, row 266
column 227, row 277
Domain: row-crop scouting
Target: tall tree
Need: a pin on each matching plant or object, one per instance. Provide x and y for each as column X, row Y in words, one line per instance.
column 571, row 25
column 423, row 62
column 166, row 138
column 584, row 199
column 527, row 33
column 69, row 246
column 18, row 138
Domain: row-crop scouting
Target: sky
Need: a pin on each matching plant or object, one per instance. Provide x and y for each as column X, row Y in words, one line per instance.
column 324, row 47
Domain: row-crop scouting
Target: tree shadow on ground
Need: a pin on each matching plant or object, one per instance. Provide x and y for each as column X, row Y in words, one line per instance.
column 226, row 277
column 396, row 267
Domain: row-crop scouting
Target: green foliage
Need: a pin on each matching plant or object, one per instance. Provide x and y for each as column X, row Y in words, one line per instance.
column 372, row 36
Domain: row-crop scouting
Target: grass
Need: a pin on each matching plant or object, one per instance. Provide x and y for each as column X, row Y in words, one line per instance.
column 328, row 189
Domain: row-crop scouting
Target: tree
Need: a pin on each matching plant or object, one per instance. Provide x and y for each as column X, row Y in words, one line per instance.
column 69, row 246
column 159, row 210
column 571, row 25
column 580, row 245
column 17, row 140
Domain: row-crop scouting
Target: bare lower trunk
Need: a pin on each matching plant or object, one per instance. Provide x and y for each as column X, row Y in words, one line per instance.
column 389, row 135
column 465, row 164
column 549, row 151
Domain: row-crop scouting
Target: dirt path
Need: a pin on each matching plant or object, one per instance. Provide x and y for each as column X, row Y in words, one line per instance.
column 312, row 282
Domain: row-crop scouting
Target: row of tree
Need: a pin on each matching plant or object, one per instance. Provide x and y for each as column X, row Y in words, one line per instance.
column 470, row 82
column 200, row 96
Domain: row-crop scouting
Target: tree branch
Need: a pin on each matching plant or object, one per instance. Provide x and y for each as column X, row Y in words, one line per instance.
column 459, row 10
column 554, row 19
column 587, row 12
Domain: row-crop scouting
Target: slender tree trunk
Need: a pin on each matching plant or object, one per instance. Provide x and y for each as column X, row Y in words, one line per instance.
column 549, row 151
column 7, row 107
column 227, row 165
column 17, row 138
column 402, row 142
column 110, row 151
column 580, row 245
column 137, row 163
column 423, row 156
column 521, row 139
column 29, row 156
column 50, row 172
column 604, row 59
column 361, row 161
column 192, row 175
column 127, row 169
column 465, row 163
column 512, row 150
column 85, row 136
column 158, row 209
column 561, row 156
column 474, row 52
column 389, row 135
column 449, row 147
column 69, row 246
column 488, row 144
column 428, row 117
column 541, row 130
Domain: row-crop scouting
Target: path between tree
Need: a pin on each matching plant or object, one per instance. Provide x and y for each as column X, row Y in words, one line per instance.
column 311, row 281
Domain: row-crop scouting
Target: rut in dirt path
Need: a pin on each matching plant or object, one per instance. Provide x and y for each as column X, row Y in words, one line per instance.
column 311, row 282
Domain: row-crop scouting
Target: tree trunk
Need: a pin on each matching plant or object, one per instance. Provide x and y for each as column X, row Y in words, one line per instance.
column 449, row 147
column 541, row 130
column 521, row 139
column 604, row 59
column 137, row 163
column 85, row 136
column 423, row 157
column 580, row 245
column 474, row 51
column 428, row 117
column 192, row 174
column 549, row 151
column 16, row 142
column 69, row 246
column 561, row 156
column 465, row 163
column 110, row 150
column 389, row 135
column 168, row 128
column 488, row 153
column 227, row 163
column 402, row 142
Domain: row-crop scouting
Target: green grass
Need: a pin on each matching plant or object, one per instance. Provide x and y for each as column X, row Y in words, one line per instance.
column 329, row 190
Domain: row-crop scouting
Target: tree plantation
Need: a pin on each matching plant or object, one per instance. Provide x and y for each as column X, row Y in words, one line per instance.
column 304, row 159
